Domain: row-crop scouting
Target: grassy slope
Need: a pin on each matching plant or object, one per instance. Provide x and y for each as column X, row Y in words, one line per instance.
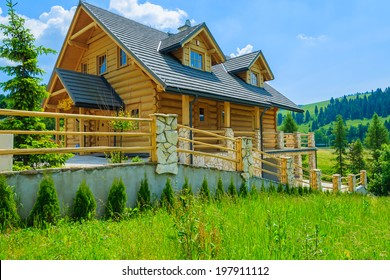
column 270, row 226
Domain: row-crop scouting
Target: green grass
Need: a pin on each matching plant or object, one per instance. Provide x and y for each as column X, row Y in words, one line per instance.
column 269, row 226
column 325, row 160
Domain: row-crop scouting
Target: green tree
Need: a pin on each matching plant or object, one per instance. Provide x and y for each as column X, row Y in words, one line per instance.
column 8, row 211
column 340, row 145
column 356, row 157
column 219, row 192
column 289, row 125
column 168, row 196
column 204, row 190
column 376, row 136
column 25, row 89
column 143, row 195
column 84, row 207
column 116, row 201
column 380, row 182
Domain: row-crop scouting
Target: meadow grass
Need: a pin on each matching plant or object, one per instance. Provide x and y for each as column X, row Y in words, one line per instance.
column 264, row 226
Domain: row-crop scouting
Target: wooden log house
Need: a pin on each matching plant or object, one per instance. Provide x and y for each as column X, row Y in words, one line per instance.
column 108, row 62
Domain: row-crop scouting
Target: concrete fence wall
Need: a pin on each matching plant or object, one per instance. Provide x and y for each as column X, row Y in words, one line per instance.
column 99, row 179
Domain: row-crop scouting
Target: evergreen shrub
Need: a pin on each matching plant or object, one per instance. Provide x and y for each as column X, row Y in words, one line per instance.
column 84, row 207
column 9, row 217
column 204, row 190
column 143, row 195
column 117, row 198
column 46, row 209
column 219, row 193
column 168, row 196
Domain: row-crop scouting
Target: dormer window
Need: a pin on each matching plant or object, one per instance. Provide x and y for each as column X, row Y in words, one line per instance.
column 196, row 60
column 254, row 78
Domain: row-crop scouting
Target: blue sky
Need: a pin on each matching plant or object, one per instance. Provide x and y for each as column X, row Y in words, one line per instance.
column 316, row 49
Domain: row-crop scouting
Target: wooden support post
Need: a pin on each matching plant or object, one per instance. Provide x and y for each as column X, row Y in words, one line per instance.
column 226, row 107
column 257, row 118
column 363, row 178
column 239, row 165
column 315, row 179
column 283, row 170
column 153, row 138
column 351, row 182
column 57, row 128
column 185, row 104
column 81, row 123
column 336, row 181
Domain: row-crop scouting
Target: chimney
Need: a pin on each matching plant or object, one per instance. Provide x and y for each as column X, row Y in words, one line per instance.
column 186, row 25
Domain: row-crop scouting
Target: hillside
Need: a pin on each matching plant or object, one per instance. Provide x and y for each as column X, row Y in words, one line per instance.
column 356, row 109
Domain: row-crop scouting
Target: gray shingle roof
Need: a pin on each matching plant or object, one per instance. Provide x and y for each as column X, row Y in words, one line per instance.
column 240, row 63
column 143, row 43
column 175, row 40
column 89, row 91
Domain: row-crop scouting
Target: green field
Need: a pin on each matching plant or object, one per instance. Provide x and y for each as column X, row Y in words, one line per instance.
column 264, row 226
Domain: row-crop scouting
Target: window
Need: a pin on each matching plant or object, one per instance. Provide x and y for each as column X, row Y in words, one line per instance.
column 102, row 64
column 84, row 68
column 254, row 79
column 122, row 58
column 134, row 113
column 196, row 60
column 201, row 115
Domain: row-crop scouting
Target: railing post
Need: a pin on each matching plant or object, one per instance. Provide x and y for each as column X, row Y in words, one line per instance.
column 336, row 181
column 287, row 171
column 363, row 178
column 166, row 143
column 6, row 161
column 153, row 138
column 315, row 179
column 298, row 167
column 351, row 182
column 257, row 137
column 312, row 160
column 311, row 142
column 297, row 140
column 239, row 165
column 280, row 140
column 247, row 157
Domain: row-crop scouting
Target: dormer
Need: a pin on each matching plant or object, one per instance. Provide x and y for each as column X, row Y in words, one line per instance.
column 193, row 46
column 252, row 68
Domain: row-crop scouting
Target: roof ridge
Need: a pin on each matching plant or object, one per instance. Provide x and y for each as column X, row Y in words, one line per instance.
column 245, row 54
column 118, row 15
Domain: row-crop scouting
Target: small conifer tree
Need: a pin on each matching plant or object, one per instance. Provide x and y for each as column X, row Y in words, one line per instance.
column 244, row 189
column 117, row 198
column 271, row 188
column 186, row 189
column 46, row 209
column 204, row 190
column 84, row 207
column 279, row 188
column 219, row 193
column 232, row 188
column 143, row 195
column 254, row 193
column 167, row 195
column 262, row 188
column 8, row 213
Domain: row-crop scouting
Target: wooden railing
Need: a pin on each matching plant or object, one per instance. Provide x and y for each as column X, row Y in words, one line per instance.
column 260, row 161
column 81, row 134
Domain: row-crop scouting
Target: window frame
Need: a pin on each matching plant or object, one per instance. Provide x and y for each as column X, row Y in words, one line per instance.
column 99, row 65
column 252, row 75
column 84, row 68
column 195, row 60
column 122, row 55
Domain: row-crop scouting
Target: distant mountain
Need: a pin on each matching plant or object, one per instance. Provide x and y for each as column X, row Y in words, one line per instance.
column 356, row 109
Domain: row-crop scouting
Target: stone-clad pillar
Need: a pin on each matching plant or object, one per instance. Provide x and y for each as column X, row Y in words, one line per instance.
column 184, row 157
column 247, row 157
column 287, row 171
column 166, row 143
column 315, row 179
column 257, row 145
column 280, row 140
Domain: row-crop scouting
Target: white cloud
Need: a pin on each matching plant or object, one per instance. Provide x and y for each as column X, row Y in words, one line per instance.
column 57, row 19
column 305, row 38
column 149, row 14
column 247, row 49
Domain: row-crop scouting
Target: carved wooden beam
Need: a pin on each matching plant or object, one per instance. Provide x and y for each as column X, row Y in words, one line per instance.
column 81, row 31
column 77, row 44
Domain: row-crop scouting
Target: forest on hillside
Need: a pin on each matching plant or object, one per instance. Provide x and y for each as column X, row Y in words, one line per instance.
column 354, row 107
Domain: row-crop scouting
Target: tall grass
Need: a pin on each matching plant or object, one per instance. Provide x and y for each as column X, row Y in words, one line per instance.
column 264, row 226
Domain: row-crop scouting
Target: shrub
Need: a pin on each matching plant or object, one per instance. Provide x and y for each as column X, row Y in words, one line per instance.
column 254, row 193
column 232, row 191
column 279, row 188
column 84, row 207
column 244, row 189
column 219, row 193
column 271, row 188
column 116, row 203
column 204, row 190
column 262, row 188
column 143, row 195
column 136, row 159
column 8, row 214
column 46, row 209
column 300, row 190
column 167, row 195
column 186, row 193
